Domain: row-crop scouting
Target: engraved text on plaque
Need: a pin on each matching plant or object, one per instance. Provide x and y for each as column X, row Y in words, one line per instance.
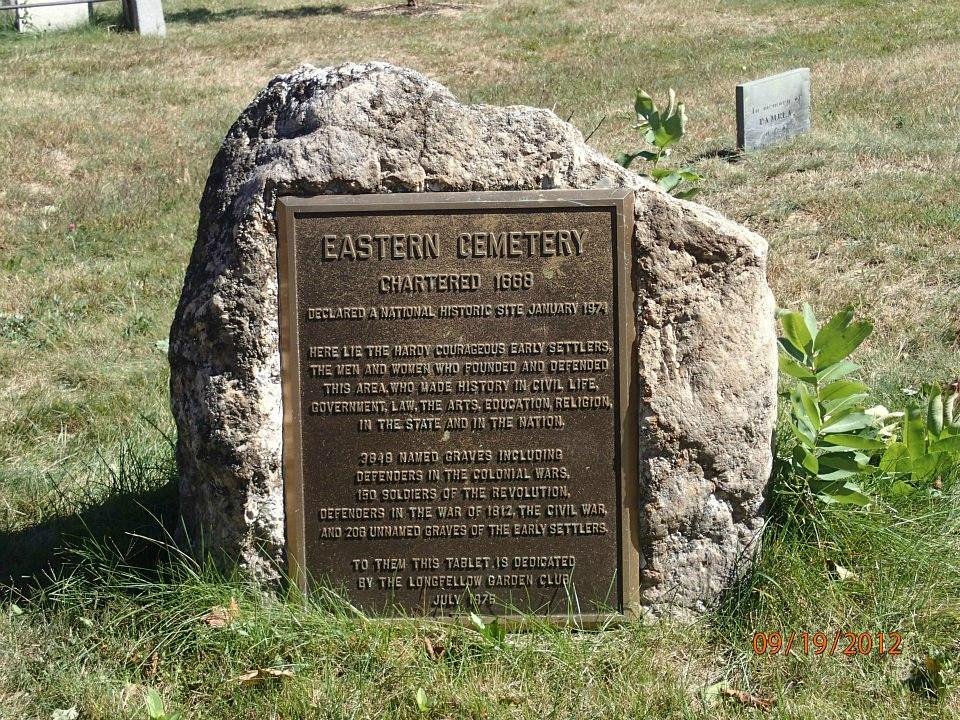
column 456, row 369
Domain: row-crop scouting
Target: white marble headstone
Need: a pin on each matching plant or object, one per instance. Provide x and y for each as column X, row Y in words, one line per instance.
column 53, row 17
column 145, row 16
column 772, row 109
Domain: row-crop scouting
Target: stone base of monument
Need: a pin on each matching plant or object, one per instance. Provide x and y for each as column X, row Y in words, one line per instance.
column 54, row 17
column 396, row 372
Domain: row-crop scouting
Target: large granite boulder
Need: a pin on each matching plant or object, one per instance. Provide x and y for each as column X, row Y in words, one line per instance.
column 705, row 321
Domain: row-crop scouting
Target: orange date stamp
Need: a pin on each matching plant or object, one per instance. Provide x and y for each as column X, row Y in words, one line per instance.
column 841, row 642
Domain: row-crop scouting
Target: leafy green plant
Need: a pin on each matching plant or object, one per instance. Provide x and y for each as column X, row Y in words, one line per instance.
column 929, row 440
column 422, row 701
column 661, row 128
column 492, row 631
column 836, row 436
column 155, row 707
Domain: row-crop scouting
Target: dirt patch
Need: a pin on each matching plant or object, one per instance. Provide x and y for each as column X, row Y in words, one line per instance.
column 802, row 221
column 59, row 162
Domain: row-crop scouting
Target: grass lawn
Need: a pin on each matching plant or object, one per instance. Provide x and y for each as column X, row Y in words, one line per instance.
column 105, row 142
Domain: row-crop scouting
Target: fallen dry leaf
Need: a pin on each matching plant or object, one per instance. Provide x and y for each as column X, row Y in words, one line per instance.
column 219, row 616
column 154, row 665
column 435, row 648
column 839, row 572
column 745, row 698
column 261, row 674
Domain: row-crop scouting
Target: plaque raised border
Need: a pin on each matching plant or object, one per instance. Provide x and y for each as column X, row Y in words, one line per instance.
column 621, row 202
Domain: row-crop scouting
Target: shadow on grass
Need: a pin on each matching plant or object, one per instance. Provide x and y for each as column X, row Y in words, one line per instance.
column 421, row 9
column 200, row 15
column 134, row 513
column 730, row 155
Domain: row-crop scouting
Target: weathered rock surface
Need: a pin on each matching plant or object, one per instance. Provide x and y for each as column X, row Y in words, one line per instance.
column 706, row 341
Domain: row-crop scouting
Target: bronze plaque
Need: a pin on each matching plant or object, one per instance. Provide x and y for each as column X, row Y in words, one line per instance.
column 460, row 429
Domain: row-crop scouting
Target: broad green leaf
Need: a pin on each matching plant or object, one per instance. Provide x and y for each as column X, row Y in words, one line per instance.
column 806, row 459
column 796, row 331
column 859, row 457
column 626, row 159
column 810, row 319
column 837, row 371
column 838, row 322
column 670, row 181
column 785, row 346
column 805, row 425
column 420, row 697
column 689, row 175
column 792, row 368
column 837, row 415
column 853, row 494
column 901, row 489
column 841, row 461
column 154, row 705
column 896, row 459
column 949, row 408
column 839, row 337
column 840, row 389
column 853, row 421
column 643, row 105
column 496, row 631
column 856, row 442
column 671, row 102
column 805, row 436
column 914, row 432
column 947, row 444
column 854, row 402
column 811, row 407
column 675, row 123
column 687, row 194
column 926, row 466
column 839, row 347
column 836, row 449
column 846, row 493
column 805, row 407
column 836, row 475
column 661, row 136
column 935, row 414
